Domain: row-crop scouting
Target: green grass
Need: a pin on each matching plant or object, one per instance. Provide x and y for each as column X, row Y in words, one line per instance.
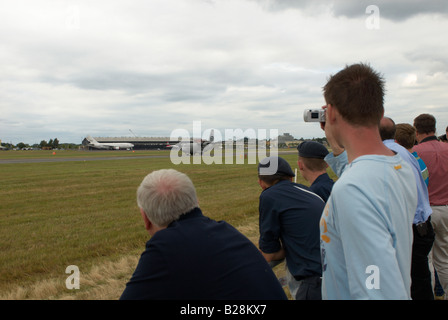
column 84, row 213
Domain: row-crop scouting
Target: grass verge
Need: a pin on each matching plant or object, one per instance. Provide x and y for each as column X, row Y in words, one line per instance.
column 84, row 213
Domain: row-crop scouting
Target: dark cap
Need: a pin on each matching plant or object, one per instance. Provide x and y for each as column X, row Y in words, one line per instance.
column 312, row 149
column 274, row 165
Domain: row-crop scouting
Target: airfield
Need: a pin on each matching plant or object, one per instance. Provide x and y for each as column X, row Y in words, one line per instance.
column 78, row 208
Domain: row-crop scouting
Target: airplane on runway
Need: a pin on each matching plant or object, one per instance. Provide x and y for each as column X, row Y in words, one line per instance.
column 195, row 147
column 110, row 145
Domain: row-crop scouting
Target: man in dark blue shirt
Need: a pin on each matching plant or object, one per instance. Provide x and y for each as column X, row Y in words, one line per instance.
column 313, row 168
column 289, row 227
column 190, row 256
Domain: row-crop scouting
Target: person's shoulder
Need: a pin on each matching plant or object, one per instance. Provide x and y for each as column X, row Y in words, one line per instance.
column 324, row 178
column 276, row 189
column 443, row 145
column 299, row 185
column 364, row 170
column 177, row 228
column 307, row 191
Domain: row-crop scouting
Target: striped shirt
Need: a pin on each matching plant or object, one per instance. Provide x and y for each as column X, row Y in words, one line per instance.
column 423, row 167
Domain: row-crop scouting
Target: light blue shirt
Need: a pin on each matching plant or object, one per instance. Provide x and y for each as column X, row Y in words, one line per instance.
column 423, row 207
column 366, row 229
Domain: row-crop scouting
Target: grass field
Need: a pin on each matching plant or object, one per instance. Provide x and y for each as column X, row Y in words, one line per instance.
column 84, row 213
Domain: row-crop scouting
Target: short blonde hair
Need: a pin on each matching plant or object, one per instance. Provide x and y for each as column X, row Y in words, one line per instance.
column 314, row 164
column 164, row 195
column 405, row 135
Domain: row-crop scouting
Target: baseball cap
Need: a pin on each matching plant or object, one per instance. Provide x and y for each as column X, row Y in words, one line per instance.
column 275, row 165
column 312, row 149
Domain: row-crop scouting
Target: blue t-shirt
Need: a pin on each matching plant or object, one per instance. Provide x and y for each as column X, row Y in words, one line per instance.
column 366, row 229
column 289, row 217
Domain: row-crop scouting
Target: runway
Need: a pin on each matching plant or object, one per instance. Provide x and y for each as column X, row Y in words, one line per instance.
column 52, row 160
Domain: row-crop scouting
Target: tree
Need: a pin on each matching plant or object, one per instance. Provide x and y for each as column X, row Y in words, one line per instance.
column 43, row 144
column 22, row 145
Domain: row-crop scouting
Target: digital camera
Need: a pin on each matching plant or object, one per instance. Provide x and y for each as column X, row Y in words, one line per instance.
column 314, row 115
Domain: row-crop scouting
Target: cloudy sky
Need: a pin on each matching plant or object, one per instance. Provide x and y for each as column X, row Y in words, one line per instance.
column 113, row 68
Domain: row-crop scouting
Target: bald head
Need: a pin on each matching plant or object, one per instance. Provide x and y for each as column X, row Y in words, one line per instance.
column 387, row 128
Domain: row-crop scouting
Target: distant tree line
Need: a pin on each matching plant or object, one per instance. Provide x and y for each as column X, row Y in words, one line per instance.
column 50, row 145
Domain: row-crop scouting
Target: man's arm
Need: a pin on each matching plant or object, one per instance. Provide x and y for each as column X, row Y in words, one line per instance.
column 337, row 158
column 269, row 243
column 279, row 255
column 150, row 278
column 337, row 163
column 275, row 258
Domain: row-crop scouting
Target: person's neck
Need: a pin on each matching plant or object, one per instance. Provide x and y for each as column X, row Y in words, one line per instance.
column 361, row 141
column 311, row 176
column 423, row 136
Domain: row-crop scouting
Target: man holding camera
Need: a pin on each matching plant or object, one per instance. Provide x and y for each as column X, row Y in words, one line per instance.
column 366, row 227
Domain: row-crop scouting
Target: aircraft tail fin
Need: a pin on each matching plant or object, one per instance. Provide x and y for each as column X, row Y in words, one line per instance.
column 91, row 139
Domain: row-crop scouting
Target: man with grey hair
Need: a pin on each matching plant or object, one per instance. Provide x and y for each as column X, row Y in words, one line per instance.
column 190, row 256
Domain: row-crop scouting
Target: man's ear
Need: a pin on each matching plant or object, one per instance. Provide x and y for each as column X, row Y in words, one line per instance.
column 330, row 113
column 145, row 219
column 262, row 184
column 152, row 228
column 300, row 164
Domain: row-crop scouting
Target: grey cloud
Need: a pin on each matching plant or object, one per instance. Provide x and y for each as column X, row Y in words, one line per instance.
column 432, row 58
column 392, row 10
column 173, row 86
column 398, row 10
column 168, row 87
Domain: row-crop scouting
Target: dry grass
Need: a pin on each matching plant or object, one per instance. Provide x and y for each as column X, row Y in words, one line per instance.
column 101, row 282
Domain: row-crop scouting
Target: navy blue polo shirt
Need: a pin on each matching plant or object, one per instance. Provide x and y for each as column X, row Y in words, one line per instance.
column 290, row 215
column 322, row 186
column 199, row 258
